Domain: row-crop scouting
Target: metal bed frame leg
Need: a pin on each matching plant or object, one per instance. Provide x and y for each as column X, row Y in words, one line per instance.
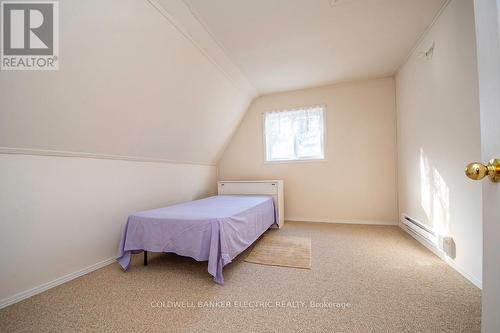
column 145, row 258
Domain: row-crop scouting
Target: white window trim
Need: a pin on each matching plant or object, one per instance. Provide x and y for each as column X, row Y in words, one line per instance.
column 310, row 160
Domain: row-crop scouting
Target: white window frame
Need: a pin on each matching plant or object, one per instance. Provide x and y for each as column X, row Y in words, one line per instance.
column 304, row 160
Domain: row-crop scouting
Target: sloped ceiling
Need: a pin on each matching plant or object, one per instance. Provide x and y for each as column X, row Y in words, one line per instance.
column 131, row 83
column 171, row 79
column 289, row 44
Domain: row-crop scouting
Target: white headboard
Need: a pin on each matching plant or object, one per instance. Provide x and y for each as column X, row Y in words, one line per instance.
column 273, row 188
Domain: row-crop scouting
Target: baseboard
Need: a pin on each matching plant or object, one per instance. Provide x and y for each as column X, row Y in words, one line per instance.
column 54, row 283
column 317, row 220
column 434, row 249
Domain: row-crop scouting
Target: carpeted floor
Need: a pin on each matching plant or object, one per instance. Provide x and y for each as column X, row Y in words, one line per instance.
column 365, row 278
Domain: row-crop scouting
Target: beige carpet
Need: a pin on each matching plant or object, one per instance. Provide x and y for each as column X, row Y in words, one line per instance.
column 363, row 279
column 287, row 251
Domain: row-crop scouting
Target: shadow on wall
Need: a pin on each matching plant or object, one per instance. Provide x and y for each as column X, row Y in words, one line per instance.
column 435, row 199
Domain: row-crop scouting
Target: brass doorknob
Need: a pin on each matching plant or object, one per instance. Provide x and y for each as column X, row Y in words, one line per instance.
column 477, row 171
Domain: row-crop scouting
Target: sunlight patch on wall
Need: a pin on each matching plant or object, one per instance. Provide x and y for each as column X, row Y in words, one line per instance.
column 440, row 204
column 435, row 196
column 425, row 186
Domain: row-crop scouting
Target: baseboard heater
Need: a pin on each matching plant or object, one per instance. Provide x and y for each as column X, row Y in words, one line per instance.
column 419, row 229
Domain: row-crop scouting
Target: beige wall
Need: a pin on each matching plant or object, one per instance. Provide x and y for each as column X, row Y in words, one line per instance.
column 357, row 183
column 438, row 134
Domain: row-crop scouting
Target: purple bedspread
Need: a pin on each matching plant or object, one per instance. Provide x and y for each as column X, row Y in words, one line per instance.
column 216, row 229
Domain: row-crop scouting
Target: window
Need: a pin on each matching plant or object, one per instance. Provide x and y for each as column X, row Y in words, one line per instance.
column 293, row 135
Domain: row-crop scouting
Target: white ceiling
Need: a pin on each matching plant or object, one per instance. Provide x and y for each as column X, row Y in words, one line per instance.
column 290, row 44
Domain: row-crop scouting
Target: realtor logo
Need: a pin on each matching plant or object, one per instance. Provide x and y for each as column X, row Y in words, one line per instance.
column 29, row 35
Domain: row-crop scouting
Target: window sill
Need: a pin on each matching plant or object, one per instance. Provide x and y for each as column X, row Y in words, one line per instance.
column 316, row 160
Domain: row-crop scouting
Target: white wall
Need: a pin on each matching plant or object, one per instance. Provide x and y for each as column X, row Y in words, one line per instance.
column 439, row 134
column 59, row 215
column 131, row 84
column 357, row 183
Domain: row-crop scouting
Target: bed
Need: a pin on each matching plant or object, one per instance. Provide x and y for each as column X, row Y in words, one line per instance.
column 215, row 229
